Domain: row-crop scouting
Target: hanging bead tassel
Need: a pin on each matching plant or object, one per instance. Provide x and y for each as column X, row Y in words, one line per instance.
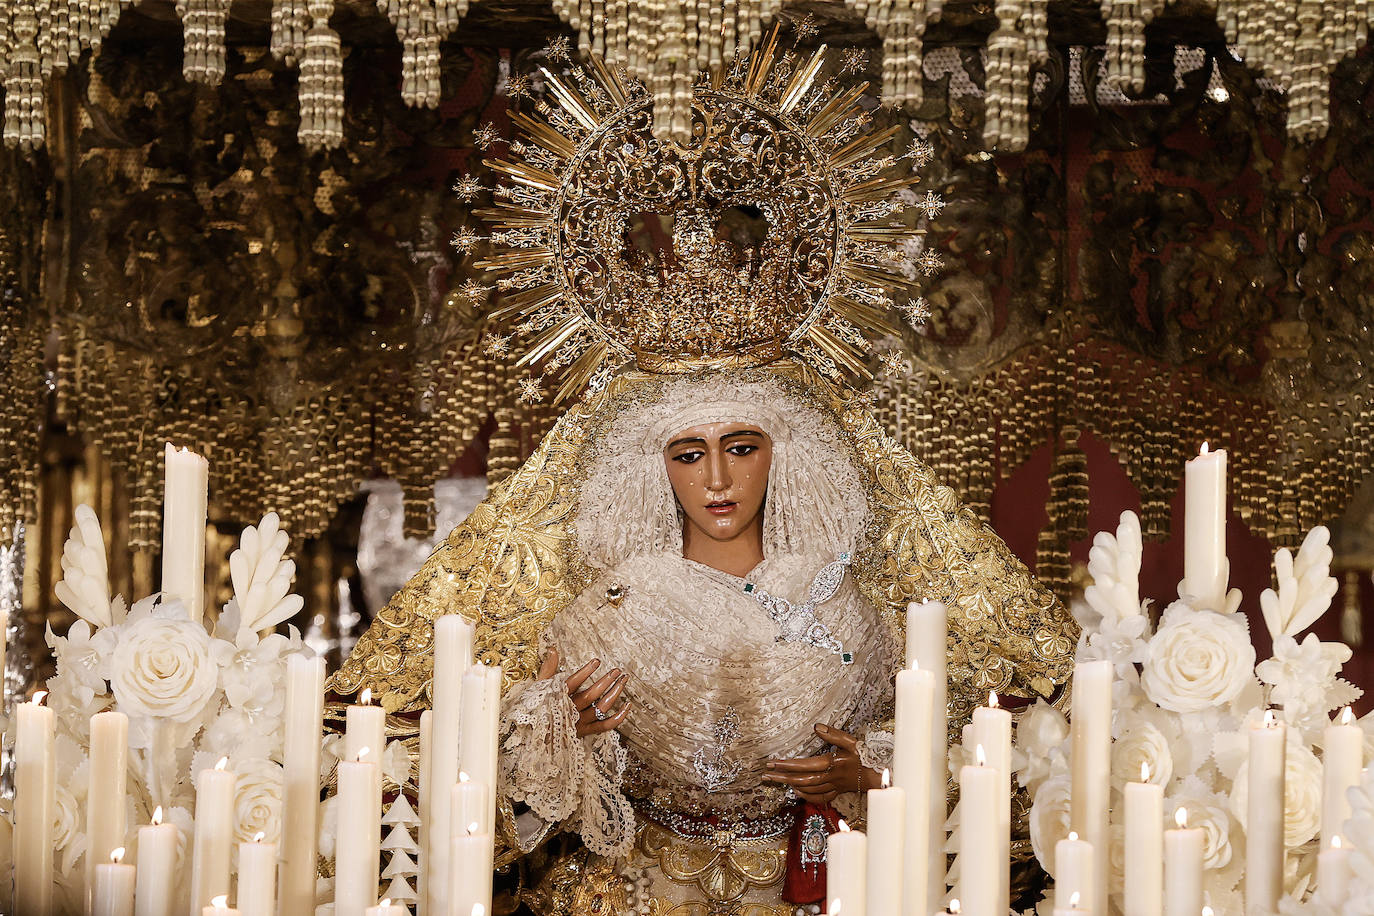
column 321, row 82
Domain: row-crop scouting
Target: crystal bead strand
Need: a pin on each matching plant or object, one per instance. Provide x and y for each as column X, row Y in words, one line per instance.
column 321, row 82
column 24, row 114
column 289, row 23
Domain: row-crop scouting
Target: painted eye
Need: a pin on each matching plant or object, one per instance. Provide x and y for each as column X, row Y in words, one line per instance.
column 688, row 457
column 742, row 449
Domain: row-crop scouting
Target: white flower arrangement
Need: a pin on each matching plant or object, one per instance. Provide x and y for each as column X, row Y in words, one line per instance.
column 194, row 692
column 1184, row 695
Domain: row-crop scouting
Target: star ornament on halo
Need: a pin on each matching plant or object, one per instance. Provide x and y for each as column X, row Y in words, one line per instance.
column 559, row 48
column 465, row 240
column 530, row 392
column 806, row 27
column 473, row 291
column 467, row 188
column 486, row 135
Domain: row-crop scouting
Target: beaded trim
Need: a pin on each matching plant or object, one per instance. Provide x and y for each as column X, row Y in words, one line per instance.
column 717, row 827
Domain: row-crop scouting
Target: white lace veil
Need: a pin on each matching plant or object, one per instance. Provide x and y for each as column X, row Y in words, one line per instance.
column 815, row 502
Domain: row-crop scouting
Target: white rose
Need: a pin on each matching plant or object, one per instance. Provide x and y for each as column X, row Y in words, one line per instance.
column 1049, row 819
column 1215, row 822
column 1302, row 794
column 67, row 820
column 257, row 800
column 162, row 669
column 1198, row 659
column 1142, row 745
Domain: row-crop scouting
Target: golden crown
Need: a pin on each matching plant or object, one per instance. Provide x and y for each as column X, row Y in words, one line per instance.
column 770, row 233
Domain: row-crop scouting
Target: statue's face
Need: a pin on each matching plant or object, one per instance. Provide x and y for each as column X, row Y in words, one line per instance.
column 719, row 473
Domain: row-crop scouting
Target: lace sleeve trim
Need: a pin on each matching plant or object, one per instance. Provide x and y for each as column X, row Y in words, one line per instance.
column 561, row 777
column 875, row 749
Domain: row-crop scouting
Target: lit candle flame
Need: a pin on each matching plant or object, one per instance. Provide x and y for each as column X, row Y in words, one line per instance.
column 955, row 907
column 835, row 907
column 915, row 664
column 221, row 902
column 222, row 763
column 980, row 756
column 362, row 752
column 1269, row 719
column 1347, row 716
column 39, row 697
column 992, row 699
column 386, row 901
column 464, row 777
column 157, row 815
column 365, row 698
column 1207, row 911
column 1336, row 842
column 1073, row 900
column 1073, row 836
column 259, row 836
column 1204, row 449
column 1144, row 771
column 844, row 828
column 1181, row 818
column 117, row 854
column 478, row 910
column 473, row 828
column 887, row 777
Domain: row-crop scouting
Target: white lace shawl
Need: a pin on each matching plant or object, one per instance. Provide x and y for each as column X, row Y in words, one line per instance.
column 816, row 503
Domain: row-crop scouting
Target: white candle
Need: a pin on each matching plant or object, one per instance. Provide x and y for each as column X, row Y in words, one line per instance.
column 886, row 849
column 927, row 645
column 157, row 860
column 365, row 740
column 257, row 888
column 1205, row 568
column 1264, row 815
column 219, row 906
column 1143, row 890
column 468, row 802
column 1342, row 759
column 214, row 832
column 186, row 482
column 35, row 806
column 992, row 730
column 452, row 658
column 105, row 789
column 358, row 848
column 303, row 729
column 846, row 868
column 1072, row 907
column 911, row 762
column 1091, row 723
column 113, row 887
column 1182, row 868
column 1073, row 872
column 425, row 780
column 470, row 872
column 1333, row 873
column 979, row 823
column 478, row 724
column 387, row 908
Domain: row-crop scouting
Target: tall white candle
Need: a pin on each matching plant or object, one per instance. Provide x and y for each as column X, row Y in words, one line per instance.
column 452, row 658
column 478, row 724
column 214, row 832
column 846, row 868
column 1144, row 884
column 1182, row 868
column 186, row 481
column 1264, row 815
column 470, row 872
column 992, row 730
column 927, row 645
column 979, row 823
column 105, row 789
column 112, row 884
column 1091, row 724
column 301, row 782
column 257, row 888
column 157, row 861
column 1073, row 872
column 365, row 740
column 911, row 762
column 35, row 806
column 468, row 803
column 886, row 847
column 426, row 780
column 358, row 848
column 1205, row 567
column 1342, row 759
column 1333, row 873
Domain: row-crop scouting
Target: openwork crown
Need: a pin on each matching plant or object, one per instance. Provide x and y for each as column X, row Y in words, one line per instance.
column 770, row 234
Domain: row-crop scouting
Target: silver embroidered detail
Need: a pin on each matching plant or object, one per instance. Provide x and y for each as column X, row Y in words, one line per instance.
column 710, row 763
column 797, row 622
column 814, row 839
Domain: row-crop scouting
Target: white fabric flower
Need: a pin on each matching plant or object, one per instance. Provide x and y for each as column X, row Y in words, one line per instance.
column 67, row 819
column 252, row 671
column 1041, row 735
column 1302, row 793
column 162, row 665
column 1121, row 642
column 237, row 734
column 81, row 658
column 257, row 800
column 1301, row 675
column 1049, row 819
column 1143, row 744
column 1208, row 813
column 1198, row 659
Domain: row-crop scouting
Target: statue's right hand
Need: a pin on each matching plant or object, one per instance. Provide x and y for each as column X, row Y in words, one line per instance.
column 596, row 703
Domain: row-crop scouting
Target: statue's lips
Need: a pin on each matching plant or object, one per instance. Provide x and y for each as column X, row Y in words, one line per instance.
column 721, row 508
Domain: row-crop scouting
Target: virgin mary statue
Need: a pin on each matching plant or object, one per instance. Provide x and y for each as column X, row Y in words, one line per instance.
column 696, row 586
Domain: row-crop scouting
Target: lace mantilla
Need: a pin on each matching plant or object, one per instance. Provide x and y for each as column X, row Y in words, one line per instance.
column 797, row 622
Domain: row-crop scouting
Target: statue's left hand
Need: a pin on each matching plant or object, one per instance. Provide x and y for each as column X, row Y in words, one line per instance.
column 821, row 778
